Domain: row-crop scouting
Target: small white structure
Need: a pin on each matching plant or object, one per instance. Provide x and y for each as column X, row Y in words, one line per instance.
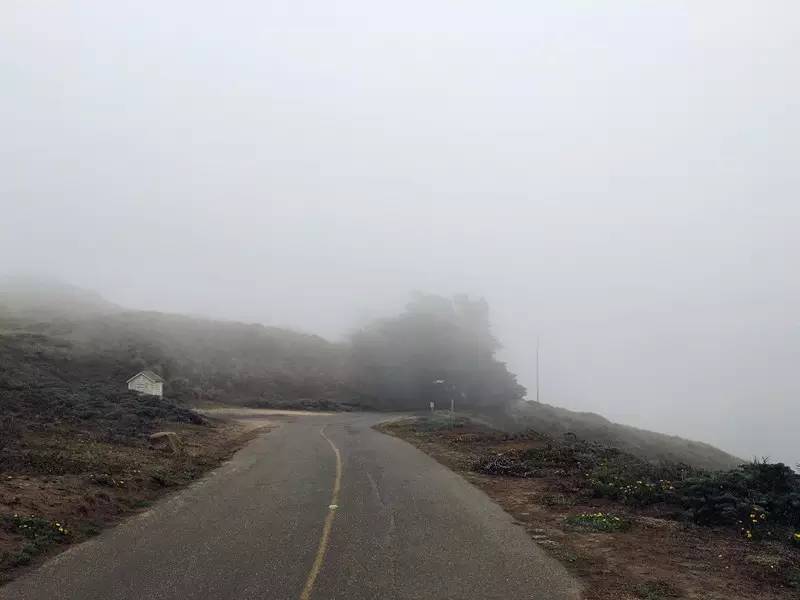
column 147, row 382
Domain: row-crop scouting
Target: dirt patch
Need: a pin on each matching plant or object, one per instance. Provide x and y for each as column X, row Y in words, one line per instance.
column 69, row 485
column 618, row 551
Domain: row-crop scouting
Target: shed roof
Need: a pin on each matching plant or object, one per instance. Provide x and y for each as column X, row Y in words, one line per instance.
column 154, row 377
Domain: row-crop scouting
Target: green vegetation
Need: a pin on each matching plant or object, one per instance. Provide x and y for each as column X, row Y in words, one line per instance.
column 46, row 388
column 202, row 361
column 440, row 422
column 606, row 469
column 761, row 500
column 726, row 497
column 651, row 446
column 598, row 522
column 40, row 534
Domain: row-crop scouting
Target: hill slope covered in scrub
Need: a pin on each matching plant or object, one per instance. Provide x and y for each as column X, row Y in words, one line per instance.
column 201, row 361
column 92, row 347
column 650, row 445
column 77, row 339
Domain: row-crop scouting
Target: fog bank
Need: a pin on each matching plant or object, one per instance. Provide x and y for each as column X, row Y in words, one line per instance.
column 618, row 181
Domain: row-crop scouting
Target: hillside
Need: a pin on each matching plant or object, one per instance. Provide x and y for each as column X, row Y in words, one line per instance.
column 202, row 361
column 81, row 344
column 75, row 452
column 650, row 445
column 58, row 333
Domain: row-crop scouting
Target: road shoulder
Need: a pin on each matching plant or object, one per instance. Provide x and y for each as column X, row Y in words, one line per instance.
column 653, row 558
column 95, row 484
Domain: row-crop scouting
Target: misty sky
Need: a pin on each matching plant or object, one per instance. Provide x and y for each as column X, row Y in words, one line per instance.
column 620, row 178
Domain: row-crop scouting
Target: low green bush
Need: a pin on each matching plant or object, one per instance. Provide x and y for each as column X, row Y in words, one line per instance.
column 633, row 481
column 761, row 499
column 607, row 523
column 730, row 497
column 37, row 528
column 439, row 423
column 40, row 533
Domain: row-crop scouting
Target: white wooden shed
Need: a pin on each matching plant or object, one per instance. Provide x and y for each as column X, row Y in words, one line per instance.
column 147, row 382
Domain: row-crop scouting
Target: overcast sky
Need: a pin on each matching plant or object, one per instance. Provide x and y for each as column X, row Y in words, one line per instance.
column 619, row 178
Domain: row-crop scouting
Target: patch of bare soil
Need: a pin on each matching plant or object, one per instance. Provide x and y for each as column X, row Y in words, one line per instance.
column 77, row 484
column 652, row 557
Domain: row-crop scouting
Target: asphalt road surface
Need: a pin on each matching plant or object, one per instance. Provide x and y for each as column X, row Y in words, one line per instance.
column 272, row 525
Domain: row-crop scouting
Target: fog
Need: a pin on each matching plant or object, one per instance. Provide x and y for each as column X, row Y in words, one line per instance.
column 617, row 179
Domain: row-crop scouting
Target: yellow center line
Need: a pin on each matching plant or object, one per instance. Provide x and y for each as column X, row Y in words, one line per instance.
column 326, row 529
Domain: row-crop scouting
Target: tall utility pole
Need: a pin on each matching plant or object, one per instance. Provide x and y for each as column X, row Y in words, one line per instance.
column 537, row 368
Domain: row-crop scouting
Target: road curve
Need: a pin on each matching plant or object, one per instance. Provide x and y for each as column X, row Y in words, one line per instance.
column 404, row 527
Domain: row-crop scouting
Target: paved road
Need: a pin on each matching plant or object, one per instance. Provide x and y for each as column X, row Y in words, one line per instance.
column 405, row 528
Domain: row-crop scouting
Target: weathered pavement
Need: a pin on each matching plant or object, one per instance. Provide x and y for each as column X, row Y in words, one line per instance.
column 405, row 527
